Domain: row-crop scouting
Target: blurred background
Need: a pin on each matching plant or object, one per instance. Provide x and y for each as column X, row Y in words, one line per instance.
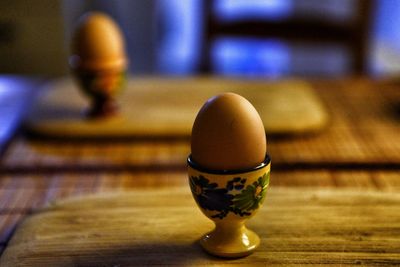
column 251, row 38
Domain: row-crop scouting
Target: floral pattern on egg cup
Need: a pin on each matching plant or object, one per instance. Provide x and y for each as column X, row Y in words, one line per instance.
column 229, row 198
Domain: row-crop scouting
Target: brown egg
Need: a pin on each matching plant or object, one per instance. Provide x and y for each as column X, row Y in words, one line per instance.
column 98, row 44
column 228, row 134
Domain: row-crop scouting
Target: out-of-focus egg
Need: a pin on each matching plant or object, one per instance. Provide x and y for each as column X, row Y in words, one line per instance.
column 98, row 44
column 228, row 134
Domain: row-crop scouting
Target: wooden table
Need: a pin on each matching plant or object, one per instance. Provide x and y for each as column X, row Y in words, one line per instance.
column 357, row 157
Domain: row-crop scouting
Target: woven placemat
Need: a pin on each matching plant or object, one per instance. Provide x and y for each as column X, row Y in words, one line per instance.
column 364, row 127
column 363, row 131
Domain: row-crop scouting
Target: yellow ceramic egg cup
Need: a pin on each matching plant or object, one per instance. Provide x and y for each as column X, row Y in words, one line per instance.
column 99, row 61
column 229, row 198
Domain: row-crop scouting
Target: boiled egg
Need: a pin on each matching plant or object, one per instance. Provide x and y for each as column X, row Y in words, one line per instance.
column 228, row 134
column 98, row 44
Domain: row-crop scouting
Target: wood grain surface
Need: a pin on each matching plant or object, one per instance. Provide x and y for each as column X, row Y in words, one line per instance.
column 25, row 193
column 167, row 107
column 162, row 226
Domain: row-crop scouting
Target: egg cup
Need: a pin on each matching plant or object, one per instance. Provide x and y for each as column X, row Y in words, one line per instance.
column 101, row 87
column 229, row 198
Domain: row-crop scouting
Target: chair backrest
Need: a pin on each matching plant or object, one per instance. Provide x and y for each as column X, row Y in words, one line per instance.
column 353, row 34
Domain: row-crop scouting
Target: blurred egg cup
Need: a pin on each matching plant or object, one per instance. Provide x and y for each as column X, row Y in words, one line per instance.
column 229, row 198
column 99, row 62
column 102, row 87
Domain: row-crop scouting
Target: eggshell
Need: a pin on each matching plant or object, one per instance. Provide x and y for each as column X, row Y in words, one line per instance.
column 98, row 44
column 228, row 134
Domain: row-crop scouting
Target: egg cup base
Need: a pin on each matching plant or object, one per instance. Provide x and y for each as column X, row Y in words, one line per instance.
column 239, row 245
column 102, row 108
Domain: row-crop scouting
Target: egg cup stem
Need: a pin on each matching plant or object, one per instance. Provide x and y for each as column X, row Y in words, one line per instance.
column 230, row 240
column 102, row 107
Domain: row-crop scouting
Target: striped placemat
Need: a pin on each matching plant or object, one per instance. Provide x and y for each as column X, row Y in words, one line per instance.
column 363, row 133
column 365, row 126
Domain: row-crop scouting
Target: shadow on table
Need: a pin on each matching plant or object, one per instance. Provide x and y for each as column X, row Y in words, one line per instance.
column 143, row 255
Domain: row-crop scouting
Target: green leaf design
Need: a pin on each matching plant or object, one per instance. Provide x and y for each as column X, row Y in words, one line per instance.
column 210, row 197
column 253, row 195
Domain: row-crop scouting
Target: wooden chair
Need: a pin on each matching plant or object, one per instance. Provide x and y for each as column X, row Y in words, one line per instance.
column 352, row 34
